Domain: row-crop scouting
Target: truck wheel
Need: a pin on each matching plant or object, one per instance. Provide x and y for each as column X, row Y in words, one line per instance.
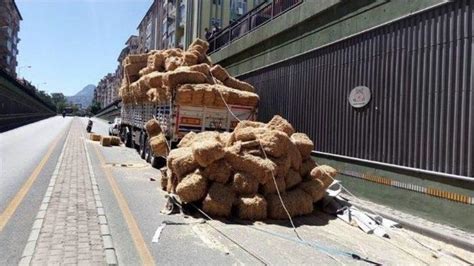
column 128, row 138
column 148, row 154
column 122, row 134
column 157, row 162
column 143, row 141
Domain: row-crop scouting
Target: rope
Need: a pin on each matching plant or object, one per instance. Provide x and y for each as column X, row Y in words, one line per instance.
column 274, row 179
column 273, row 176
column 226, row 236
column 299, row 239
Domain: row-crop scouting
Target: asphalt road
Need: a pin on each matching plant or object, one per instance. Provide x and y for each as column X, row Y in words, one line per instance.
column 132, row 201
column 27, row 153
column 221, row 242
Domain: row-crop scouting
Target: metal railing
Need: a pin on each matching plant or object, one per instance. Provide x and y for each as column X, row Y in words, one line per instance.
column 253, row 19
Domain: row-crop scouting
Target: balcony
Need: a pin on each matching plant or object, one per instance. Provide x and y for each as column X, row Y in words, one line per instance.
column 250, row 21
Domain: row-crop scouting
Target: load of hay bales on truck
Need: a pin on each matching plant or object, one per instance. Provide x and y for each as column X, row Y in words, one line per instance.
column 224, row 161
column 184, row 92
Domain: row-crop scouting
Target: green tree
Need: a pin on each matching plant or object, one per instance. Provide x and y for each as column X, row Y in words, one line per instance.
column 94, row 108
column 59, row 100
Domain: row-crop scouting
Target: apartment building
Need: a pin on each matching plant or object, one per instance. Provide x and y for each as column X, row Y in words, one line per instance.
column 10, row 18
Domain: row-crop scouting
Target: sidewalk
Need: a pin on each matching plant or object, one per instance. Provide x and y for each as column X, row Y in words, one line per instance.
column 67, row 226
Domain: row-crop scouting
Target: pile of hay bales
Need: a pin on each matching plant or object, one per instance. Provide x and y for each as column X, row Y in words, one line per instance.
column 239, row 172
column 189, row 75
column 105, row 140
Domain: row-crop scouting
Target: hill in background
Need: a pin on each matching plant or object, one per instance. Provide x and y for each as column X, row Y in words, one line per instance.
column 83, row 97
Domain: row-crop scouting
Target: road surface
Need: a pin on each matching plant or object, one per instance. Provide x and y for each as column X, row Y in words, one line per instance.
column 85, row 185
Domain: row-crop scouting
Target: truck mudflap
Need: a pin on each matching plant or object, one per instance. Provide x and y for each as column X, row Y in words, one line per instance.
column 198, row 119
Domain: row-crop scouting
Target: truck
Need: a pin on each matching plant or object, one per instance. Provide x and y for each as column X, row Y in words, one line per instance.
column 176, row 121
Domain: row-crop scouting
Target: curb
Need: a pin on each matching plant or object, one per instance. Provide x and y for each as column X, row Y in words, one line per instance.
column 449, row 239
column 109, row 248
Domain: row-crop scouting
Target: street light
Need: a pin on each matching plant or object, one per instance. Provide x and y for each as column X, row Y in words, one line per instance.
column 19, row 68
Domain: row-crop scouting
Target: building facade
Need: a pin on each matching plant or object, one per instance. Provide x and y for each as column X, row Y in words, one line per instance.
column 107, row 90
column 149, row 29
column 10, row 18
column 215, row 15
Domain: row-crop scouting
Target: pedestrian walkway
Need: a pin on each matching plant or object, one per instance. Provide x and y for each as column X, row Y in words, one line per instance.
column 67, row 228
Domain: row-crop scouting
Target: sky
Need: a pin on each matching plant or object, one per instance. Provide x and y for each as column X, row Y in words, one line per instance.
column 72, row 43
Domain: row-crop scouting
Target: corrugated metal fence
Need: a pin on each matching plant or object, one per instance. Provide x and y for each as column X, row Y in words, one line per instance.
column 421, row 75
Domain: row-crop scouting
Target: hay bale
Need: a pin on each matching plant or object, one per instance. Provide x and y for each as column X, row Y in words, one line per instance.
column 173, row 62
column 105, row 141
column 175, row 78
column 261, row 168
column 134, row 69
column 203, row 68
column 181, row 161
column 207, row 151
column 252, row 208
column 224, row 137
column 315, row 188
column 221, row 96
column 115, row 141
column 295, row 156
column 281, row 124
column 190, row 58
column 187, row 140
column 199, row 42
column 296, row 201
column 218, row 171
column 244, row 184
column 247, row 99
column 156, row 61
column 158, row 145
column 219, row 200
column 192, row 188
column 152, row 127
column 306, row 168
column 94, row 137
column 202, row 136
column 324, row 173
column 292, row 179
column 136, row 58
column 209, row 94
column 198, row 96
column 154, row 79
column 184, row 94
column 283, row 165
column 248, row 134
column 238, row 85
column 275, row 143
column 163, row 182
column 270, row 188
column 304, row 144
column 219, row 73
column 248, row 123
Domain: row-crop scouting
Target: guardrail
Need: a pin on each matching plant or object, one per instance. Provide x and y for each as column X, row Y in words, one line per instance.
column 253, row 19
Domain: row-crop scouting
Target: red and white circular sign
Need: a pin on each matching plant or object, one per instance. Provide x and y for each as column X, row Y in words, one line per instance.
column 359, row 96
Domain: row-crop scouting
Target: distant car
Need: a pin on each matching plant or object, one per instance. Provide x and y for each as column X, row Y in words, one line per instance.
column 114, row 129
